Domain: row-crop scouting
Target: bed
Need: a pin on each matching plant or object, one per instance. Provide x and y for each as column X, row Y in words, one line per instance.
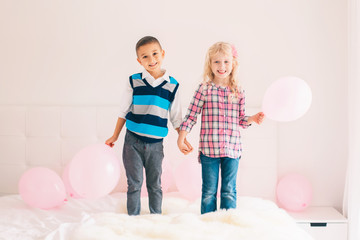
column 106, row 218
column 49, row 136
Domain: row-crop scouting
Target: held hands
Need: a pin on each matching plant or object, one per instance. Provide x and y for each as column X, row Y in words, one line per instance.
column 257, row 118
column 184, row 146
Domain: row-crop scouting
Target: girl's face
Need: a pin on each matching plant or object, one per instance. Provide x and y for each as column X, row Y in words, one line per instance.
column 221, row 66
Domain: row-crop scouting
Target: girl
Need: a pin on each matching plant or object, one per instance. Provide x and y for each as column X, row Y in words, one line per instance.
column 222, row 103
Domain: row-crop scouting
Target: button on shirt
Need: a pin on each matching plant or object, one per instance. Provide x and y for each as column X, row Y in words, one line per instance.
column 174, row 109
column 222, row 116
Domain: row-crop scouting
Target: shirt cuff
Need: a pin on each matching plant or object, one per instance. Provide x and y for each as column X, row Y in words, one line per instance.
column 122, row 115
column 183, row 127
column 176, row 124
column 245, row 122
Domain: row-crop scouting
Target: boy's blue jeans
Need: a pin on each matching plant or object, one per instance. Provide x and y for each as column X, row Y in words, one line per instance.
column 136, row 156
column 210, row 178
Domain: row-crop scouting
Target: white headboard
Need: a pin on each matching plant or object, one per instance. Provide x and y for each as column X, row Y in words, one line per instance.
column 50, row 136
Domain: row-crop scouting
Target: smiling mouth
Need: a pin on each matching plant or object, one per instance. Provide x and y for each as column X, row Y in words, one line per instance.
column 153, row 65
column 221, row 72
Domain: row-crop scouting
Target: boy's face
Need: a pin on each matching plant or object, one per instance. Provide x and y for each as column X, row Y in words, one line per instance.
column 150, row 56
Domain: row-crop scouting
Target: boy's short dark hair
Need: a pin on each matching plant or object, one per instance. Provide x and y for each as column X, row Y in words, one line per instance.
column 146, row 40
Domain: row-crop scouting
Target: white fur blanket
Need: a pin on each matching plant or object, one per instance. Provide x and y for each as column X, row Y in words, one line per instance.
column 254, row 219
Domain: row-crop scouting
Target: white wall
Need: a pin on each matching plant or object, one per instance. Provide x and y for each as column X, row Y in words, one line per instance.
column 352, row 193
column 81, row 53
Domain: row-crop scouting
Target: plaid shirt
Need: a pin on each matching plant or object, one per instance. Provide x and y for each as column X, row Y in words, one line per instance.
column 221, row 119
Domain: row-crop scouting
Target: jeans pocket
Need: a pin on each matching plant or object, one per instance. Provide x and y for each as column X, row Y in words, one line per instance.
column 158, row 148
column 204, row 159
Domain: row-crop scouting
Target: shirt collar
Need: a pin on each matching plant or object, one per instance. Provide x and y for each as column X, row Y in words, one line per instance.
column 218, row 86
column 147, row 75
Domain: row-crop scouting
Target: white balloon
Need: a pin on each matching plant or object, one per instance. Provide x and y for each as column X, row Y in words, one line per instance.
column 287, row 99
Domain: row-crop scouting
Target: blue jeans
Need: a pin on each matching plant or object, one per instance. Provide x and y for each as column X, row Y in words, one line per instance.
column 210, row 178
column 136, row 156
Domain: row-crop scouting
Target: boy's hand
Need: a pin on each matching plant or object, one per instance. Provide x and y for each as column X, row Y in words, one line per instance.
column 258, row 118
column 110, row 141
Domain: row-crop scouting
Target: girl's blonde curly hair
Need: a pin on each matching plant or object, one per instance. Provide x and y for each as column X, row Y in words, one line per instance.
column 227, row 49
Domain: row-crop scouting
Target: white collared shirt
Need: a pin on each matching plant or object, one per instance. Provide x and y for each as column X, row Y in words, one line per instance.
column 175, row 107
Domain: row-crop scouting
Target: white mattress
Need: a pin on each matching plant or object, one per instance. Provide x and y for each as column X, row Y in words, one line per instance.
column 106, row 218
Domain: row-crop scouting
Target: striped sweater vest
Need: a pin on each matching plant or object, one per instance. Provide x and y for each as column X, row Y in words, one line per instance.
column 148, row 114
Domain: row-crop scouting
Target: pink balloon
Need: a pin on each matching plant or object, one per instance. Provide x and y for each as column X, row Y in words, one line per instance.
column 294, row 192
column 188, row 179
column 166, row 179
column 69, row 189
column 41, row 187
column 287, row 99
column 94, row 171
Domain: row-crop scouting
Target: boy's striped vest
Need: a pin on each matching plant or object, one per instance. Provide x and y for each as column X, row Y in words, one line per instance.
column 148, row 115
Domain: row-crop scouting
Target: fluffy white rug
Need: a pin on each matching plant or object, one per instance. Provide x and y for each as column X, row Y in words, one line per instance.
column 254, row 219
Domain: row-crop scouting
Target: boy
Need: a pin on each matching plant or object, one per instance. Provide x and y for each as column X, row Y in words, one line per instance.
column 150, row 97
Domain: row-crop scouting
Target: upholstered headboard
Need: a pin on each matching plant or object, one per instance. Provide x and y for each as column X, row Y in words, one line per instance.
column 50, row 136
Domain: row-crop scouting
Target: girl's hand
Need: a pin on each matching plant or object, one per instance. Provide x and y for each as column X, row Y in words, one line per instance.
column 258, row 118
column 110, row 141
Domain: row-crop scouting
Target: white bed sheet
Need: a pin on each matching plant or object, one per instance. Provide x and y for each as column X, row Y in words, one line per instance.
column 106, row 218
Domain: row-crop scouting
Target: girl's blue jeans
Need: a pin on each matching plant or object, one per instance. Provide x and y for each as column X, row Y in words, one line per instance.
column 210, row 178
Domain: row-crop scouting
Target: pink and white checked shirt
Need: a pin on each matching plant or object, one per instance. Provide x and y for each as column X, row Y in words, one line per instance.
column 220, row 121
